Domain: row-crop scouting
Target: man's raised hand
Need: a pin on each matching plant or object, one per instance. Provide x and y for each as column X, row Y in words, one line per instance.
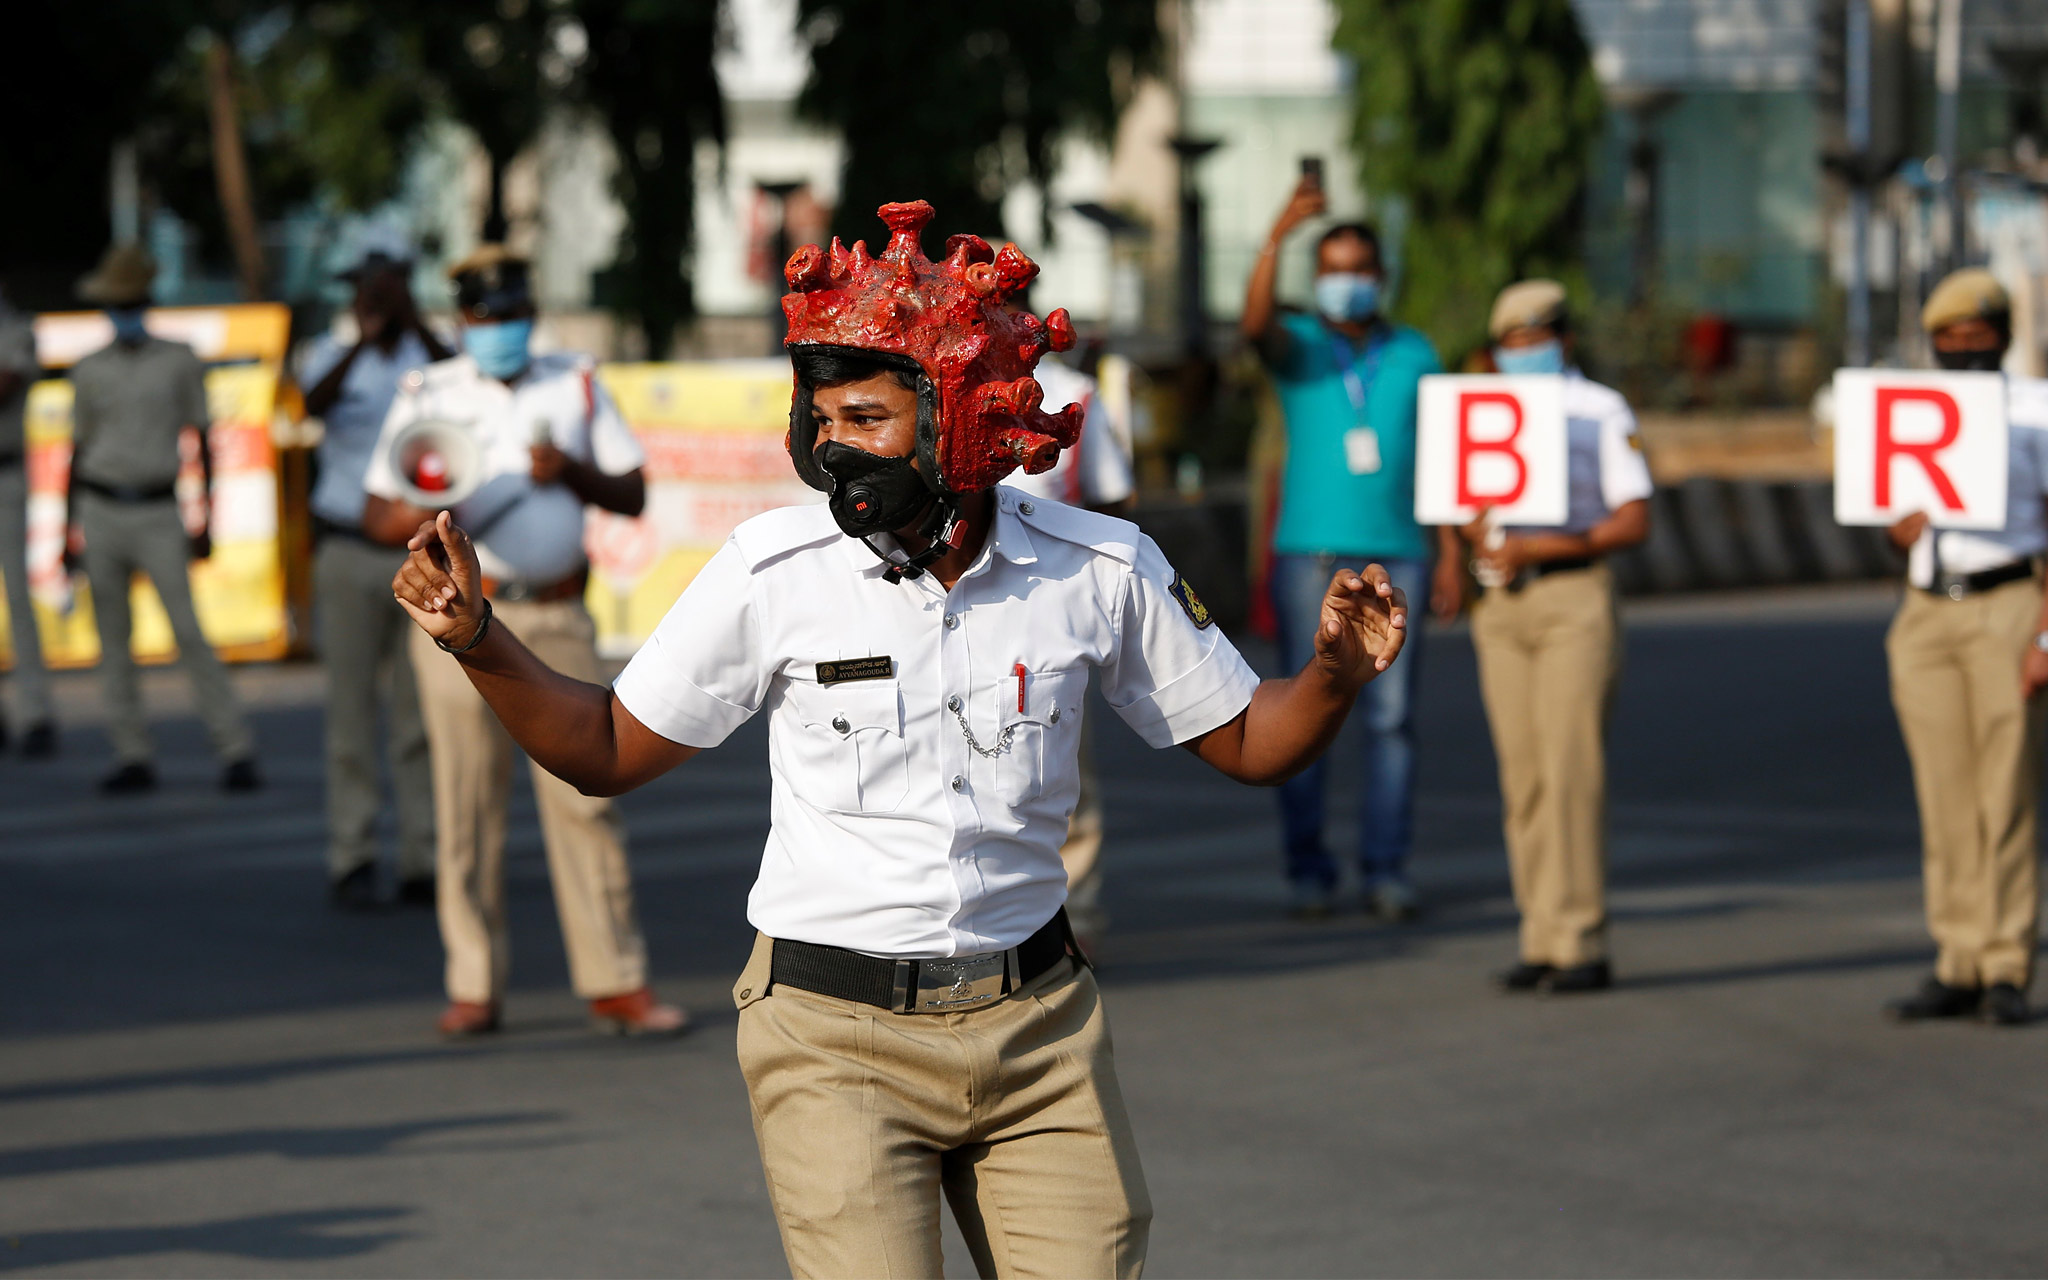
column 440, row 583
column 1364, row 624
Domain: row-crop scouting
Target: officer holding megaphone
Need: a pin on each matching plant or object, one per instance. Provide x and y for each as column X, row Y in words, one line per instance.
column 515, row 445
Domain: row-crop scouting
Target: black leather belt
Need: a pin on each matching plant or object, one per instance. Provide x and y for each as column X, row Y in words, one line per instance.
column 1957, row 585
column 128, row 493
column 950, row 985
column 323, row 528
column 1548, row 567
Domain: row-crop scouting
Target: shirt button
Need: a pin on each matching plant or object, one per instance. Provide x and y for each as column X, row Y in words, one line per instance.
column 1026, row 508
column 959, row 783
column 839, row 723
column 953, row 703
column 952, row 621
column 1055, row 715
column 746, row 993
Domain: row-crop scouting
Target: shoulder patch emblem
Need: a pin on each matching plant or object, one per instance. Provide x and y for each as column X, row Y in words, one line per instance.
column 1190, row 603
column 1635, row 441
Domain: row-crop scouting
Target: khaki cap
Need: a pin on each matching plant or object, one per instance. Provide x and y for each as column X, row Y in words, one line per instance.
column 486, row 259
column 122, row 279
column 1970, row 294
column 1527, row 304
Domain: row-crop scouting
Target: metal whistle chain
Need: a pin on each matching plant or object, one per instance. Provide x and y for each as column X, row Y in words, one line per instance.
column 986, row 753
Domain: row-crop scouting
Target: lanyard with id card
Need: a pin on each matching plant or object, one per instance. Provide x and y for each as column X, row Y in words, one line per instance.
column 1361, row 442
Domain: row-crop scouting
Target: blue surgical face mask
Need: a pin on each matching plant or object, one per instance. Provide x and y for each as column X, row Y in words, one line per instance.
column 1347, row 297
column 500, row 350
column 1543, row 357
column 128, row 324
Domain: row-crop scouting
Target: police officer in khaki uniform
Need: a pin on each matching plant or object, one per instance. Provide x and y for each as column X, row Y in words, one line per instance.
column 1969, row 658
column 364, row 637
column 1549, row 649
column 915, row 1025
column 551, row 442
column 130, row 402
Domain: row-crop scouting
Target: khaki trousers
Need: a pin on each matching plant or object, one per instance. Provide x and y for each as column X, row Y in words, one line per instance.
column 1976, row 750
column 586, row 842
column 363, row 637
column 120, row 539
column 1548, row 661
column 865, row 1117
column 1082, row 852
column 31, row 682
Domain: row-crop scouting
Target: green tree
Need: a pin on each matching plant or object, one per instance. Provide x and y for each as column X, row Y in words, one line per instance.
column 1482, row 115
column 957, row 105
column 648, row 75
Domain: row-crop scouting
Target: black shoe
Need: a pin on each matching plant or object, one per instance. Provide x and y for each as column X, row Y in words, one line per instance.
column 354, row 890
column 1523, row 977
column 416, row 891
column 40, row 742
column 1936, row 999
column 240, row 775
column 2006, row 1005
column 1580, row 979
column 132, row 778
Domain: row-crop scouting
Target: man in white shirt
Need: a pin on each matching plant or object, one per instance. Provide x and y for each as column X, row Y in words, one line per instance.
column 1096, row 474
column 549, row 441
column 1549, row 647
column 913, row 1017
column 363, row 638
column 1969, row 658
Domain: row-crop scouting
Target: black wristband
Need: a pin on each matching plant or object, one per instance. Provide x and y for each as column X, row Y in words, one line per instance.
column 483, row 629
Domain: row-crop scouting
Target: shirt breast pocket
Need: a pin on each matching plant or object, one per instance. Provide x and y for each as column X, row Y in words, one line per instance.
column 854, row 750
column 1042, row 759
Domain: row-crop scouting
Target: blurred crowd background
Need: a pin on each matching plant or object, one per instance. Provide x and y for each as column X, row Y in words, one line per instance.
column 1700, row 171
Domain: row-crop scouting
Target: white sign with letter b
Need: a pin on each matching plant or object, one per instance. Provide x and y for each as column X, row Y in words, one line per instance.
column 1486, row 441
column 1909, row 442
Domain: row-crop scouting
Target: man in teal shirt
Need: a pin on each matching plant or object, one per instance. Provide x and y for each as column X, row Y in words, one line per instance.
column 1347, row 382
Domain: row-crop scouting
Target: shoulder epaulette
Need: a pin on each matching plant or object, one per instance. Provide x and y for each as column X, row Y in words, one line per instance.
column 774, row 534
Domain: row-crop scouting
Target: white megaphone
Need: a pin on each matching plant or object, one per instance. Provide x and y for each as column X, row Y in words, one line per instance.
column 439, row 464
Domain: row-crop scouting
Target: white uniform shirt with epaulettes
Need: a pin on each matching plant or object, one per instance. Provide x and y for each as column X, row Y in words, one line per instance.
column 891, row 833
column 524, row 532
column 2025, row 534
column 1605, row 466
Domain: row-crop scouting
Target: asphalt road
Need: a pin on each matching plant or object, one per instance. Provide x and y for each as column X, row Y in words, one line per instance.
column 204, row 1071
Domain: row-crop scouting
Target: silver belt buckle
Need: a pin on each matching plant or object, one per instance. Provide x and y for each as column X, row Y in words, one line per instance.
column 1953, row 585
column 515, row 590
column 964, row 982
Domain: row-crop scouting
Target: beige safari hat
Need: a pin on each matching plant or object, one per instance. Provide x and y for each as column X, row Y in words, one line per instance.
column 1526, row 304
column 122, row 279
column 1970, row 294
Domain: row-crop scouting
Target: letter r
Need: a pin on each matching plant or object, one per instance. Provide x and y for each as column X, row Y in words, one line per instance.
column 1890, row 449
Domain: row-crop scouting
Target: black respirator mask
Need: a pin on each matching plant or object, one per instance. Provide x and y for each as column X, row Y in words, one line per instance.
column 872, row 495
column 1970, row 361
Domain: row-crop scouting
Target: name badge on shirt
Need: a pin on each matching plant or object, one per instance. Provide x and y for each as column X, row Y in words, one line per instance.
column 856, row 669
column 1362, row 451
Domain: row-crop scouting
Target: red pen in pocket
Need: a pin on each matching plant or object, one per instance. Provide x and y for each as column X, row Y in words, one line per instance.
column 1020, row 688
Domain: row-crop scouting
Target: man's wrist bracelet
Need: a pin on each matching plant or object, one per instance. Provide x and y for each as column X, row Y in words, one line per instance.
column 482, row 629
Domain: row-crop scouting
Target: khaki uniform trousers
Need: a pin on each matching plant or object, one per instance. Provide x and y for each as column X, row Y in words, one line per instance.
column 1082, row 852
column 363, row 638
column 1549, row 657
column 1975, row 744
column 120, row 539
column 1012, row 1111
column 31, row 682
column 586, row 842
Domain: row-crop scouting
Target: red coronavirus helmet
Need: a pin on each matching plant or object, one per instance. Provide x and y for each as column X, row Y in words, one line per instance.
column 979, row 417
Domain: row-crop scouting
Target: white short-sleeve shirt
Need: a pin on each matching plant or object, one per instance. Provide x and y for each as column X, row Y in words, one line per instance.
column 2026, row 531
column 920, row 795
column 1096, row 472
column 1605, row 467
column 524, row 532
